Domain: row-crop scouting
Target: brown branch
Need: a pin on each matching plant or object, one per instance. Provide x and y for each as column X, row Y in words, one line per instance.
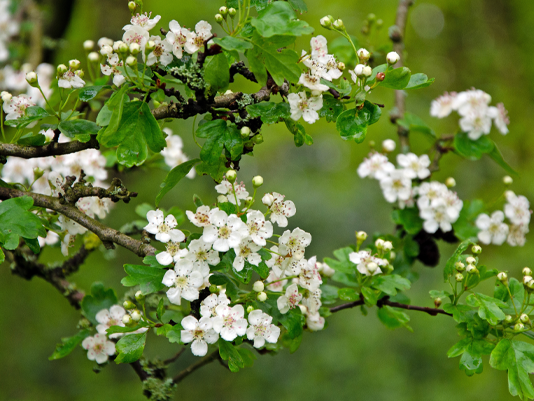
column 139, row 370
column 386, row 301
column 335, row 309
column 190, row 369
column 239, row 68
column 107, row 235
column 174, row 358
column 397, row 33
column 51, row 149
column 81, row 189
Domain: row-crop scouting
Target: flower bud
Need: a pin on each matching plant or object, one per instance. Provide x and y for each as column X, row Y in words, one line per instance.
column 136, row 315
column 219, row 18
column 31, row 78
column 213, row 289
column 471, row 260
column 326, row 22
column 519, row 326
column 118, row 44
column 132, row 6
column 367, row 71
column 262, row 296
column 245, row 132
column 388, row 268
column 358, row 70
column 392, row 255
column 524, row 318
column 388, row 145
column 459, row 266
column 37, row 173
column 527, row 279
column 502, row 277
column 341, row 66
column 250, row 308
column 93, row 57
column 127, row 320
column 379, row 243
column 459, row 277
column 106, row 50
column 124, row 48
column 258, row 286
column 231, row 175
column 267, row 200
column 371, row 17
column 338, row 24
column 88, row 45
column 380, row 76
column 361, row 236
column 222, row 199
column 61, row 69
column 139, row 296
column 223, row 10
column 437, row 302
column 530, row 284
column 258, row 139
column 257, row 181
column 388, row 246
column 6, row 96
column 363, row 54
column 392, row 58
column 79, row 73
column 232, row 12
column 131, row 61
column 450, row 182
column 508, row 318
column 527, row 271
column 476, row 249
column 372, row 266
column 128, row 305
column 507, row 180
column 379, row 23
column 471, row 269
column 135, row 49
column 74, row 64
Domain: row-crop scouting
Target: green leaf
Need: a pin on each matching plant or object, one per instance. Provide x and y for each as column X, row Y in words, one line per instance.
column 161, row 309
column 219, row 135
column 280, row 19
column 100, row 298
column 112, row 115
column 331, row 109
column 471, row 362
column 343, row 89
column 418, row 81
column 217, row 72
column 518, row 358
column 133, row 151
column 221, row 279
column 248, row 357
column 33, row 113
column 78, row 129
column 472, row 150
column 230, row 353
column 230, row 43
column 459, row 312
column 68, row 344
column 173, row 334
column 122, row 329
column 298, row 6
column 16, row 221
column 269, row 112
column 216, row 171
column 352, row 124
column 343, row 263
column 397, row 78
column 348, row 294
column 496, row 156
column 148, row 278
column 390, row 284
column 449, row 266
column 329, row 294
column 173, row 177
column 2, row 256
column 344, row 51
column 293, row 321
column 489, row 307
column 371, row 296
column 89, row 92
column 33, row 244
column 130, row 348
column 409, row 219
column 32, row 140
column 104, row 117
column 415, row 124
column 393, row 318
column 297, row 129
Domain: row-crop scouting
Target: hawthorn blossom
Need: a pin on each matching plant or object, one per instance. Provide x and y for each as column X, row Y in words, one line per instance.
column 98, row 348
column 435, row 218
column 114, row 62
column 363, row 259
column 315, row 322
column 201, row 218
column 319, row 46
column 492, row 229
column 200, row 333
column 110, row 317
column 225, row 188
column 172, row 253
column 173, row 153
column 246, row 250
column 375, row 166
column 471, row 101
column 517, row 209
column 136, row 34
column 208, row 307
column 516, row 235
column 312, row 80
column 281, row 210
column 230, row 322
column 162, row 52
column 309, row 276
column 500, row 117
column 290, row 299
column 414, row 166
column 313, row 301
column 396, row 186
column 200, row 256
column 50, row 239
column 261, row 329
column 430, row 193
column 71, row 79
column 476, row 124
column 278, row 263
column 195, row 40
column 259, row 229
column 177, row 37
column 143, row 21
column 303, row 107
column 443, row 105
column 16, row 107
column 163, row 228
column 277, row 284
column 184, row 282
column 294, row 243
column 325, row 270
column 225, row 231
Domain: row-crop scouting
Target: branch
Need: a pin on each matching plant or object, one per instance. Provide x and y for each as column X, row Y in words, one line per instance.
column 81, row 189
column 107, row 235
column 51, row 149
column 386, row 301
column 174, row 358
column 397, row 33
column 239, row 68
column 190, row 369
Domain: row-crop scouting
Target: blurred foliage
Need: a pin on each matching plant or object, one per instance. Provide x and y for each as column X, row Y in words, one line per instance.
column 462, row 43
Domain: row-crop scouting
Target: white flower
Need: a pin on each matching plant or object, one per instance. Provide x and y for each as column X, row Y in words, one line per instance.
column 16, row 107
column 172, row 253
column 363, row 259
column 225, row 231
column 435, row 218
column 375, row 166
column 313, row 301
column 414, row 167
column 315, row 322
column 443, row 105
column 246, row 250
column 162, row 52
column 195, row 40
column 312, row 80
column 516, row 237
column 325, row 270
column 500, row 117
column 396, row 186
column 294, row 243
column 492, row 229
column 301, row 106
column 476, row 124
column 278, row 263
column 200, row 333
column 105, row 42
column 319, row 46
column 230, row 322
column 112, row 317
column 98, row 348
column 330, row 65
column 471, row 101
column 50, row 239
column 136, row 34
column 70, row 79
column 517, row 209
column 177, row 37
column 281, row 210
column 430, row 193
column 184, row 282
column 200, row 256
column 309, row 276
column 163, row 228
column 201, row 218
column 259, row 229
column 290, row 299
column 278, row 286
column 208, row 307
column 225, row 188
column 261, row 329
column 142, row 21
column 389, row 145
column 114, row 62
column 173, row 153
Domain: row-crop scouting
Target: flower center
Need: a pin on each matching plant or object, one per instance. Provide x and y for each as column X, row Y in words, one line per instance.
column 224, row 232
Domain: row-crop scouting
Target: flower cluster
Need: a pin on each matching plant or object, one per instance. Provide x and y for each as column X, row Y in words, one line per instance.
column 473, row 106
column 173, row 154
column 15, row 82
column 9, row 27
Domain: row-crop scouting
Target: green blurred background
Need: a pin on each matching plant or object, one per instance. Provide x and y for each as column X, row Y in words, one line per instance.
column 487, row 44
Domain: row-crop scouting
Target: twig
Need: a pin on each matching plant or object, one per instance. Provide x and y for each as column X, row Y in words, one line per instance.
column 174, row 358
column 190, row 369
column 386, row 301
column 239, row 68
column 51, row 149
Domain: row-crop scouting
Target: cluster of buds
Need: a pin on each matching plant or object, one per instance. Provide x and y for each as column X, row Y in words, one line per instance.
column 133, row 315
column 370, row 22
column 528, row 282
